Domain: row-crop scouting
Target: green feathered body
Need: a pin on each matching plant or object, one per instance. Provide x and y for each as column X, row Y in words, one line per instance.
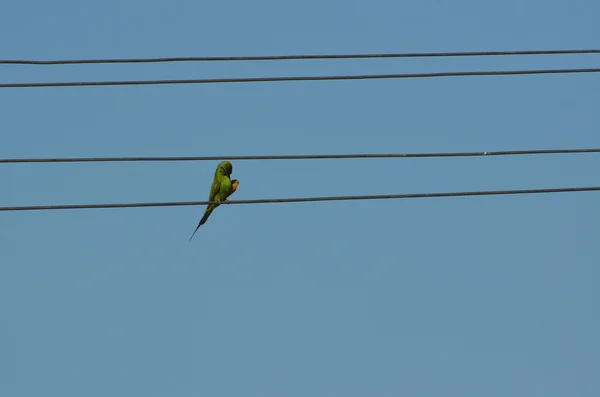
column 221, row 188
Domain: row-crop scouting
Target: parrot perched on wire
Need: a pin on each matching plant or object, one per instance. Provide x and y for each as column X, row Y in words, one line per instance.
column 221, row 188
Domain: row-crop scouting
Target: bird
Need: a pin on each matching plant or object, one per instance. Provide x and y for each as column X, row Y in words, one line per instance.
column 222, row 187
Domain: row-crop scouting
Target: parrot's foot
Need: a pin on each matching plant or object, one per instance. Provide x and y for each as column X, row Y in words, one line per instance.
column 227, row 201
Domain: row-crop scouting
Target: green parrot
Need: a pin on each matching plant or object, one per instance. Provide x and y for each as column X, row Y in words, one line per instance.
column 221, row 188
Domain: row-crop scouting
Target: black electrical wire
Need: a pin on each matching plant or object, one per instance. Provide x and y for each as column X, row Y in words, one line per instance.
column 300, row 57
column 304, row 199
column 300, row 156
column 297, row 78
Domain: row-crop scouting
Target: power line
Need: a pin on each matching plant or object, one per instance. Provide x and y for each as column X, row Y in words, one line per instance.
column 297, row 78
column 299, row 57
column 304, row 199
column 300, row 156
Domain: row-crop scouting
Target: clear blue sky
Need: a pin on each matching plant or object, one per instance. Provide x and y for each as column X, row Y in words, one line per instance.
column 482, row 296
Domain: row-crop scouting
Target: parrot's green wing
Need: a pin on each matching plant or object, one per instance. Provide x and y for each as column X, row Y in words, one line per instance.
column 220, row 189
column 214, row 188
column 224, row 189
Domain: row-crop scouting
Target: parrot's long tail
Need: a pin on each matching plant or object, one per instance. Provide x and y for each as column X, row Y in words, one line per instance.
column 203, row 220
column 197, row 227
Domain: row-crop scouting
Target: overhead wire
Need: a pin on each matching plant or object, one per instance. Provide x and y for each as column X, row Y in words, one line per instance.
column 291, row 157
column 299, row 57
column 304, row 199
column 298, row 78
column 299, row 156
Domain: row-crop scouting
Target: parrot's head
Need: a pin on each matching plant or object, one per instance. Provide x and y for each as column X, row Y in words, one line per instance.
column 234, row 185
column 225, row 168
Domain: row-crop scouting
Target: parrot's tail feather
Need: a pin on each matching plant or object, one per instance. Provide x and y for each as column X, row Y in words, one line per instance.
column 194, row 232
column 202, row 222
column 204, row 218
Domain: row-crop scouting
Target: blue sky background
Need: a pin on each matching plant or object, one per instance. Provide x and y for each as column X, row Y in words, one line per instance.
column 482, row 296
